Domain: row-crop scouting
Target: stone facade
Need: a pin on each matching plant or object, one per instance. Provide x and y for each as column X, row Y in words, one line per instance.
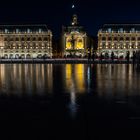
column 25, row 41
column 120, row 39
column 74, row 40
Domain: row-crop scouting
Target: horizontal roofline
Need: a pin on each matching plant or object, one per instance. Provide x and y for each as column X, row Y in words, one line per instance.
column 23, row 25
column 122, row 24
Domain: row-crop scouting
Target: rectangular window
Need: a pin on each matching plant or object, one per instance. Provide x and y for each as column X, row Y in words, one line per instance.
column 109, row 30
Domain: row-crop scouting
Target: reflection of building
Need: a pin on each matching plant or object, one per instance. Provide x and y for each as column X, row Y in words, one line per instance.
column 31, row 79
column 74, row 40
column 25, row 41
column 119, row 38
column 75, row 76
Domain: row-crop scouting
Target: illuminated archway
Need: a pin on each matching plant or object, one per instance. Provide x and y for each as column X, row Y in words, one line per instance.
column 68, row 43
column 80, row 43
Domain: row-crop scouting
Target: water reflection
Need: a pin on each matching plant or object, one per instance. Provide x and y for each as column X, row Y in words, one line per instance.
column 117, row 80
column 25, row 79
column 74, row 77
column 106, row 80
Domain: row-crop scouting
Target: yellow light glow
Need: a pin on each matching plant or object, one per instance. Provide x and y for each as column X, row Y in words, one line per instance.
column 1, row 41
column 68, row 76
column 80, row 45
column 68, row 71
column 79, row 73
column 68, row 43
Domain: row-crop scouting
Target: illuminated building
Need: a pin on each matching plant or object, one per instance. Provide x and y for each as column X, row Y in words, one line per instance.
column 74, row 40
column 25, row 41
column 119, row 39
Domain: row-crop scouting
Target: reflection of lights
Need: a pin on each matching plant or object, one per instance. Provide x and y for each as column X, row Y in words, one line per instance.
column 88, row 72
column 73, row 105
column 88, row 76
column 73, row 6
column 69, row 71
column 79, row 75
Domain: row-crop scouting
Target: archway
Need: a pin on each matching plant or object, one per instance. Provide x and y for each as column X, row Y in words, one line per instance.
column 11, row 56
column 6, row 56
column 22, row 56
column 28, row 56
column 17, row 56
column 39, row 56
column 45, row 56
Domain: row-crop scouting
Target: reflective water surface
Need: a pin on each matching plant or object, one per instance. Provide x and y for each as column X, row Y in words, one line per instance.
column 105, row 80
column 79, row 95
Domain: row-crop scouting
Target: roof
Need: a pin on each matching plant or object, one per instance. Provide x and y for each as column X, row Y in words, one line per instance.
column 73, row 28
column 126, row 27
column 23, row 28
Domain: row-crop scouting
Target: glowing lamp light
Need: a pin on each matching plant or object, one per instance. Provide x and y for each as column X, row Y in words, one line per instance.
column 73, row 6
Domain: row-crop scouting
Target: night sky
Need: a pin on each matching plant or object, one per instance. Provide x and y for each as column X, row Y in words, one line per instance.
column 55, row 13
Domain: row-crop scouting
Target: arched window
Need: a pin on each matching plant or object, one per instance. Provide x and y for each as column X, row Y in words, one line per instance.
column 109, row 38
column 5, row 39
column 17, row 39
column 34, row 39
column 68, row 43
column 45, row 39
column 80, row 43
column 22, row 39
column 11, row 39
column 133, row 39
column 39, row 39
column 28, row 39
column 103, row 38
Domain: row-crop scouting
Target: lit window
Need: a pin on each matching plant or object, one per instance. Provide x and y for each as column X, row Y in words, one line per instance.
column 6, row 31
column 17, row 31
column 80, row 44
column 121, row 30
column 109, row 30
column 133, row 29
column 28, row 31
column 40, row 30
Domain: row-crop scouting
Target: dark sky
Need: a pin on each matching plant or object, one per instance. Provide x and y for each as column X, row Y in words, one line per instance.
column 55, row 13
